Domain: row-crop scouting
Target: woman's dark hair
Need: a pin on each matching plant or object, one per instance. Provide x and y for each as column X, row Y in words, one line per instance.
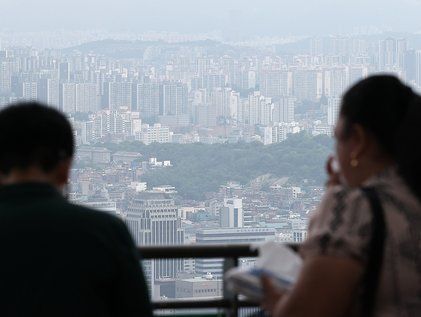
column 32, row 134
column 391, row 111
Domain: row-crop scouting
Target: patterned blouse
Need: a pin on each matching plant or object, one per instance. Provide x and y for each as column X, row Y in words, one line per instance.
column 341, row 228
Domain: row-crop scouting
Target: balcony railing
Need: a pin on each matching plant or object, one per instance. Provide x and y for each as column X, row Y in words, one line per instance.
column 231, row 254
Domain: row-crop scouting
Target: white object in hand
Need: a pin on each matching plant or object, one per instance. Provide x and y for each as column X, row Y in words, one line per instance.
column 276, row 260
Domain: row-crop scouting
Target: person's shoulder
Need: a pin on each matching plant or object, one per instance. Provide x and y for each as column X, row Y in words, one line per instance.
column 342, row 197
column 341, row 225
column 90, row 216
column 343, row 203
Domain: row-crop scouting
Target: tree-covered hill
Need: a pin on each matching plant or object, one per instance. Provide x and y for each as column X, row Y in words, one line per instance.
column 200, row 168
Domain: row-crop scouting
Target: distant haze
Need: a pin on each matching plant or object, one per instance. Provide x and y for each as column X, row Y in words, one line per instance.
column 233, row 17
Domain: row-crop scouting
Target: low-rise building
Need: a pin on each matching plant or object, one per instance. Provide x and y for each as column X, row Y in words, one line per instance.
column 96, row 155
column 198, row 287
column 126, row 157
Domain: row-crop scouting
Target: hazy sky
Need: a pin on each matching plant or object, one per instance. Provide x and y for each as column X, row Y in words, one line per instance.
column 257, row 17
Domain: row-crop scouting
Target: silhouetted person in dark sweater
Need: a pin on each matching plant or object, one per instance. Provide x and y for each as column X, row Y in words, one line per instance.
column 57, row 258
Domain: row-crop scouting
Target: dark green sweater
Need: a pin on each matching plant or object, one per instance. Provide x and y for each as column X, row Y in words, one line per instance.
column 60, row 259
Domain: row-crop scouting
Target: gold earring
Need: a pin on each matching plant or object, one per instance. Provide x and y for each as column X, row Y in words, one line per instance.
column 354, row 162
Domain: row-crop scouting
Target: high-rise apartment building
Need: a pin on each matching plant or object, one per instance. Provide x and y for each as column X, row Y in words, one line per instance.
column 173, row 99
column 86, row 132
column 335, row 81
column 68, row 97
column 64, row 72
column 205, row 115
column 333, row 110
column 387, row 54
column 148, row 100
column 418, row 69
column 275, row 83
column 307, row 84
column 29, row 90
column 202, row 66
column 48, row 91
column 256, row 110
column 410, row 67
column 79, row 97
column 265, row 111
column 211, row 81
column 284, row 110
column 6, row 71
column 392, row 54
column 355, row 74
column 220, row 101
column 401, row 49
column 87, row 97
column 232, row 213
column 117, row 95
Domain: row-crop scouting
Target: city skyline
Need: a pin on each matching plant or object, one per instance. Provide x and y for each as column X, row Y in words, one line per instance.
column 234, row 19
column 195, row 142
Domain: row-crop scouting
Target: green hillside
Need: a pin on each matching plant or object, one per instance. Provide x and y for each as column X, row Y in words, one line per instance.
column 200, row 168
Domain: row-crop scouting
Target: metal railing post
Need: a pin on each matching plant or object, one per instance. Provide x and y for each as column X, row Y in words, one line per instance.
column 232, row 297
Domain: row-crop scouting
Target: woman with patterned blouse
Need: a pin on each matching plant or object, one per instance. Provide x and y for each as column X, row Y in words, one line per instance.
column 377, row 146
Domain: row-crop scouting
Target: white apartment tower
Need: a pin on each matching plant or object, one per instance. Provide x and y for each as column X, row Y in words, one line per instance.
column 232, row 213
column 333, row 110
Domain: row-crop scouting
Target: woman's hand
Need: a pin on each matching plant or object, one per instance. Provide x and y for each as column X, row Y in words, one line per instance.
column 271, row 295
column 332, row 173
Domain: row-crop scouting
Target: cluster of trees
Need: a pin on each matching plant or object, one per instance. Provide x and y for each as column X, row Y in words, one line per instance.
column 201, row 168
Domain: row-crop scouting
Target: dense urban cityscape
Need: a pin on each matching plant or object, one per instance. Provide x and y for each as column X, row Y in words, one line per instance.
column 198, row 141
